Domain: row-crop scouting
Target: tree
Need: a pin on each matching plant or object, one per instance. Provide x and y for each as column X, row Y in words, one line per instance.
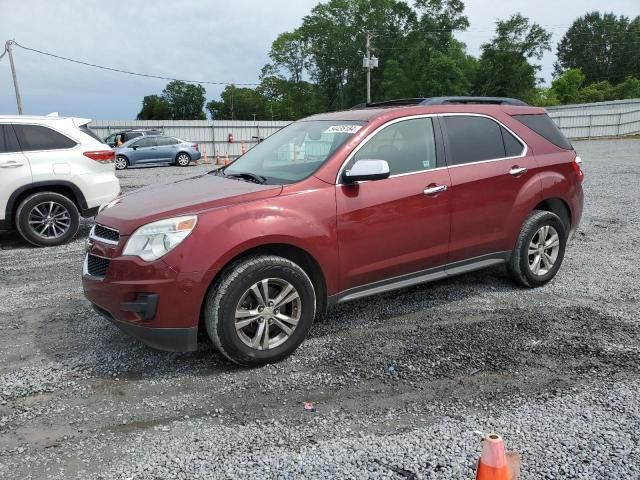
column 504, row 68
column 567, row 86
column 154, row 107
column 630, row 88
column 238, row 104
column 604, row 47
column 186, row 101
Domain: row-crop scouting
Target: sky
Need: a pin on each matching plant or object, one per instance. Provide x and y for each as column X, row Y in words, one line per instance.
column 191, row 39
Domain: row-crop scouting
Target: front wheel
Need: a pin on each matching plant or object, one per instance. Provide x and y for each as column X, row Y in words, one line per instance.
column 260, row 310
column 183, row 159
column 121, row 162
column 539, row 249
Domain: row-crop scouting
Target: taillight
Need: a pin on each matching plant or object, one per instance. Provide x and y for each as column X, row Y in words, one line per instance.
column 576, row 166
column 101, row 156
column 195, row 145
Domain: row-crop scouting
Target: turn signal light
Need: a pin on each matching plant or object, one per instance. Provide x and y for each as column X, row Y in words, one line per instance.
column 101, row 156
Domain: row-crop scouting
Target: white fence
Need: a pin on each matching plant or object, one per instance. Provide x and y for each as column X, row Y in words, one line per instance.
column 592, row 120
column 589, row 120
column 212, row 136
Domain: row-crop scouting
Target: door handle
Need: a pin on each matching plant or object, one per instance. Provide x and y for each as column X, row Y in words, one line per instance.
column 434, row 190
column 11, row 164
column 516, row 170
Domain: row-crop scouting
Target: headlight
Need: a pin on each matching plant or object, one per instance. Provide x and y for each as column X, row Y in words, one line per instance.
column 154, row 240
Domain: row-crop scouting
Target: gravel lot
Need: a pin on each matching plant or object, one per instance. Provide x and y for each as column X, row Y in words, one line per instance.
column 555, row 370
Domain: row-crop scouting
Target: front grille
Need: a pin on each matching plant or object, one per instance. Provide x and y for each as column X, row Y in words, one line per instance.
column 100, row 232
column 97, row 266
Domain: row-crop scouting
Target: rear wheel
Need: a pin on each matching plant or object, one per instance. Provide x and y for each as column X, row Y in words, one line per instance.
column 121, row 162
column 47, row 219
column 183, row 159
column 539, row 249
column 261, row 310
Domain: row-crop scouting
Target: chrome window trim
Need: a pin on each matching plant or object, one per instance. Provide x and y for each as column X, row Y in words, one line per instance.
column 525, row 150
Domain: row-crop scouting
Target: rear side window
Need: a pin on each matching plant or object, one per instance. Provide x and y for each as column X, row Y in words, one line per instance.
column 512, row 146
column 145, row 142
column 8, row 140
column 544, row 126
column 37, row 137
column 167, row 141
column 91, row 133
column 408, row 146
column 473, row 139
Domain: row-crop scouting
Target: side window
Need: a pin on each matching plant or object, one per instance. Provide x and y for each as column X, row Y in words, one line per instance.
column 146, row 142
column 8, row 140
column 473, row 139
column 37, row 137
column 162, row 141
column 512, row 146
column 408, row 146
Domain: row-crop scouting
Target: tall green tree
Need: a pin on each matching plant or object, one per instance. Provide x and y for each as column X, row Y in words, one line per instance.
column 186, row 101
column 154, row 107
column 567, row 86
column 504, row 68
column 603, row 46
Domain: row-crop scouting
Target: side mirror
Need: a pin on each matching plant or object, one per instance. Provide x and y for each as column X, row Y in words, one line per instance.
column 135, row 147
column 364, row 170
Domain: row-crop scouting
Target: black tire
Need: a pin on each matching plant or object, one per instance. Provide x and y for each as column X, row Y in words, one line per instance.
column 519, row 265
column 226, row 294
column 183, row 159
column 27, row 213
column 119, row 164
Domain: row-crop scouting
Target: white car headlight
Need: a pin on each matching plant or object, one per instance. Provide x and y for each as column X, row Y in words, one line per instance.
column 152, row 241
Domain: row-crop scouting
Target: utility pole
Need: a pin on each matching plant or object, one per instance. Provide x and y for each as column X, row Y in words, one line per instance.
column 15, row 78
column 369, row 62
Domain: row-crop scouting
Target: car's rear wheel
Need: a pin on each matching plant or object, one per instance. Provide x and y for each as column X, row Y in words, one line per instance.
column 121, row 162
column 260, row 310
column 183, row 159
column 47, row 219
column 539, row 249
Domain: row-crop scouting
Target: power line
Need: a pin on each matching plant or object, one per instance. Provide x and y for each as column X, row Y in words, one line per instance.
column 118, row 70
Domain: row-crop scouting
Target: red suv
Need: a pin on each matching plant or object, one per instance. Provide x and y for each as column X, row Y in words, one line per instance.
column 333, row 208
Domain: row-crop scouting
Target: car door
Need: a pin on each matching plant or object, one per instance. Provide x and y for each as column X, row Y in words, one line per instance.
column 145, row 150
column 15, row 171
column 167, row 148
column 489, row 167
column 399, row 225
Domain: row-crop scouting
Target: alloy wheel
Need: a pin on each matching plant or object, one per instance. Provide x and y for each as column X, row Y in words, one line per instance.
column 267, row 313
column 183, row 160
column 543, row 250
column 121, row 163
column 49, row 220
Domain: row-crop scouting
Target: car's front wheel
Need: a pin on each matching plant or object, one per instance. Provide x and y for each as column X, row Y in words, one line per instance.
column 47, row 219
column 539, row 250
column 260, row 310
column 121, row 162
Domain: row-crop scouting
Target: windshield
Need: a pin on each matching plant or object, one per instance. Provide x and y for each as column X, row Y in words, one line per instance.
column 295, row 152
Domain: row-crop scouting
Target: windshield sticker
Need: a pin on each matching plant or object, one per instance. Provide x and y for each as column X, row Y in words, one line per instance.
column 343, row 129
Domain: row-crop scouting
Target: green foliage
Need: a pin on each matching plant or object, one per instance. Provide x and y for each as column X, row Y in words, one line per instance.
column 630, row 88
column 179, row 101
column 154, row 107
column 544, row 97
column 504, row 69
column 603, row 46
column 567, row 86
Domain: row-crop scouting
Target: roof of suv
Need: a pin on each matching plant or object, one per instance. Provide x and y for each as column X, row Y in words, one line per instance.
column 42, row 118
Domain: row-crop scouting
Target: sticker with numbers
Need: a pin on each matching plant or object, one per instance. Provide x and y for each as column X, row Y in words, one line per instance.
column 343, row 129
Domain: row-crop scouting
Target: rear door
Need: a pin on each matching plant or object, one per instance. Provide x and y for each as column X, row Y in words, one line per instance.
column 491, row 174
column 15, row 171
column 167, row 148
column 396, row 226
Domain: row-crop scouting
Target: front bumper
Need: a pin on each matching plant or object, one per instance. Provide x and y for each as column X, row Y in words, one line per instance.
column 149, row 301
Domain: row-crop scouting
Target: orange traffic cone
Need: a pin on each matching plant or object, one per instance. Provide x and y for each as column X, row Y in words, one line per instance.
column 243, row 147
column 226, row 159
column 204, row 156
column 218, row 158
column 494, row 463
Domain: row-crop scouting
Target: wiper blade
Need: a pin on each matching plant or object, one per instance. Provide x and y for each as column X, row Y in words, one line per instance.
column 252, row 177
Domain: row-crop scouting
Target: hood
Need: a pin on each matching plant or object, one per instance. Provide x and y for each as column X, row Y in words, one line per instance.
column 188, row 196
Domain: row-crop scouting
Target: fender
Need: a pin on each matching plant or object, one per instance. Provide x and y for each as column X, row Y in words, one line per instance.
column 80, row 201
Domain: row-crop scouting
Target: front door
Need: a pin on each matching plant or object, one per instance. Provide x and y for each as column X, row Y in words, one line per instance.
column 146, row 150
column 399, row 225
column 489, row 169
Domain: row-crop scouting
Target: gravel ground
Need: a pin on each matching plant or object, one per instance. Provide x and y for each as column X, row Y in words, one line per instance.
column 399, row 381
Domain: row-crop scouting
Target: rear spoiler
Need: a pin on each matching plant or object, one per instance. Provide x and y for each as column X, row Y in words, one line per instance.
column 79, row 122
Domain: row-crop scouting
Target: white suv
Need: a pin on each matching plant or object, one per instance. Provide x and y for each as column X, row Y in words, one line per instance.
column 52, row 171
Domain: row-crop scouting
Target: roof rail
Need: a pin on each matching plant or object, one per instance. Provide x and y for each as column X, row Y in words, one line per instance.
column 441, row 101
